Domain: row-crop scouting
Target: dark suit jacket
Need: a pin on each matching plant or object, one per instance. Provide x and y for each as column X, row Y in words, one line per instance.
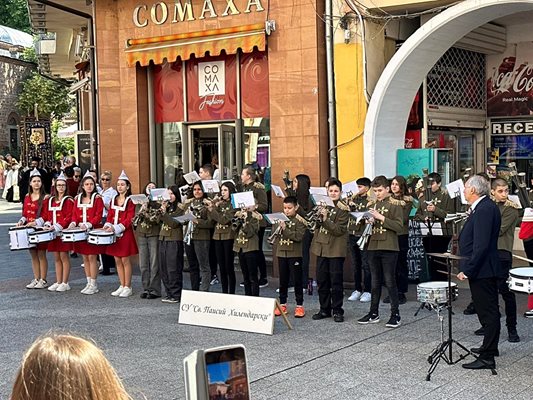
column 478, row 242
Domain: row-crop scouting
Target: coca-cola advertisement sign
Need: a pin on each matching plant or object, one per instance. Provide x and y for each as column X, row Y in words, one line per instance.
column 510, row 81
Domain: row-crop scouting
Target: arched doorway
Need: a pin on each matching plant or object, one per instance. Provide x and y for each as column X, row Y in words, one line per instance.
column 391, row 101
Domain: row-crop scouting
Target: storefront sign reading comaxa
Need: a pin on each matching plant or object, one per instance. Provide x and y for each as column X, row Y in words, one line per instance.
column 211, row 82
column 183, row 10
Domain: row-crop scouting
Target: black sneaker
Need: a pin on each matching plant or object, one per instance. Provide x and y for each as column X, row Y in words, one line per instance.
column 338, row 317
column 470, row 309
column 241, row 284
column 263, row 283
column 320, row 315
column 394, row 321
column 214, row 280
column 480, row 332
column 513, row 336
column 369, row 319
column 144, row 295
column 401, row 298
column 386, row 300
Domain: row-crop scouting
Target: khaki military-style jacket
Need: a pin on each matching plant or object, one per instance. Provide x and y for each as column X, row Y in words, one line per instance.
column 221, row 216
column 357, row 204
column 171, row 231
column 247, row 239
column 202, row 228
column 260, row 196
column 330, row 240
column 385, row 233
column 406, row 202
column 443, row 205
column 289, row 245
column 148, row 220
column 510, row 216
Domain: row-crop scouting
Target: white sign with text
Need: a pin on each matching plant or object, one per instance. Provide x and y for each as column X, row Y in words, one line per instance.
column 211, row 78
column 227, row 311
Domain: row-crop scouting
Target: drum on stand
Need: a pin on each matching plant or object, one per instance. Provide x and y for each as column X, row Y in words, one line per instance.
column 18, row 238
column 41, row 236
column 521, row 280
column 435, row 293
column 74, row 235
column 100, row 237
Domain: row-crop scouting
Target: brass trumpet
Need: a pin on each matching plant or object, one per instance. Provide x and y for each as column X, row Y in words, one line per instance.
column 276, row 234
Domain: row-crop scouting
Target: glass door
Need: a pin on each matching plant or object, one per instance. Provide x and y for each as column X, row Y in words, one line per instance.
column 227, row 152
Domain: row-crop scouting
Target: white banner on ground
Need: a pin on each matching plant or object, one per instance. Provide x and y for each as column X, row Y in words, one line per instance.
column 227, row 311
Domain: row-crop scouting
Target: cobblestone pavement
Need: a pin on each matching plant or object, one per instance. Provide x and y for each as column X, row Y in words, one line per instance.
column 316, row 360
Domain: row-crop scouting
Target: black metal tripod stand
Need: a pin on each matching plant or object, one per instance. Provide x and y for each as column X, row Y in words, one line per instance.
column 444, row 350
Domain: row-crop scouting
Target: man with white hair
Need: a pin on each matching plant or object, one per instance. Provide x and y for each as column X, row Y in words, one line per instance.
column 478, row 244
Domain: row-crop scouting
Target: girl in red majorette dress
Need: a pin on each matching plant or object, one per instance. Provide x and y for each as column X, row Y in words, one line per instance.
column 33, row 208
column 58, row 217
column 119, row 219
column 87, row 215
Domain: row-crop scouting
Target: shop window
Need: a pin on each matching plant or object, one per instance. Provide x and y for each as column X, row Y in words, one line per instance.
column 169, row 143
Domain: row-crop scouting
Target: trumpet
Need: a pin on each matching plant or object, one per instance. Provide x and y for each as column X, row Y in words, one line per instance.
column 195, row 210
column 365, row 236
column 519, row 179
column 238, row 220
column 212, row 202
column 273, row 238
column 314, row 218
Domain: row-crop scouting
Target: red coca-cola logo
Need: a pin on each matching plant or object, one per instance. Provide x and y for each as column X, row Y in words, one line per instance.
column 513, row 81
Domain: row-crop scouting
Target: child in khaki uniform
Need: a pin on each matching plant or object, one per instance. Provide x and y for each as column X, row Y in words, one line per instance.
column 246, row 245
column 289, row 253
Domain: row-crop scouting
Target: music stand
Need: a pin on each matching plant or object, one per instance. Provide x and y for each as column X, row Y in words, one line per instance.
column 446, row 345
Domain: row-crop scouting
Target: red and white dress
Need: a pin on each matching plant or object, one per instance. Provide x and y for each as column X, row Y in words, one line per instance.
column 89, row 214
column 31, row 213
column 120, row 217
column 59, row 216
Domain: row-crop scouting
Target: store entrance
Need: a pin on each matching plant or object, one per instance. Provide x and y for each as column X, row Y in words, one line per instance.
column 215, row 144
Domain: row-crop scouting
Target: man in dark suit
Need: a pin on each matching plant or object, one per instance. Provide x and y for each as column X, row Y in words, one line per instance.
column 478, row 243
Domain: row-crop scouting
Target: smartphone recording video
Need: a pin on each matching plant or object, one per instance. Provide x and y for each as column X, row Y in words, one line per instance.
column 227, row 375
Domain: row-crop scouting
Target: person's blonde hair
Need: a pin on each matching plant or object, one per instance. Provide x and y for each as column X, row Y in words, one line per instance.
column 66, row 367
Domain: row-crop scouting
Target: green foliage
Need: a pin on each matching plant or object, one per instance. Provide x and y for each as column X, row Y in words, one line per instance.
column 60, row 146
column 29, row 55
column 52, row 99
column 14, row 14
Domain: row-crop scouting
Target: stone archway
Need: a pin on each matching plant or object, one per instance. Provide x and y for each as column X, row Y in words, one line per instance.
column 391, row 101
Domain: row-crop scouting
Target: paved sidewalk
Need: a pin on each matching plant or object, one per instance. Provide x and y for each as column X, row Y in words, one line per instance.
column 316, row 360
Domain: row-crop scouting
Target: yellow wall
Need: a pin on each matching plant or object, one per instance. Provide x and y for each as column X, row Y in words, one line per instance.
column 351, row 110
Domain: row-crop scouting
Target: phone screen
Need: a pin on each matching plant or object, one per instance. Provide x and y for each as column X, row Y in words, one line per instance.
column 226, row 374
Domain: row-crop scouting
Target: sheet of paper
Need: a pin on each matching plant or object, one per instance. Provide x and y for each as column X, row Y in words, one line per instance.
column 318, row 190
column 191, row 177
column 275, row 217
column 349, row 189
column 183, row 219
column 436, row 229
column 457, row 188
column 139, row 198
column 210, row 186
column 319, row 199
column 528, row 215
column 159, row 194
column 242, row 200
column 278, row 191
column 515, row 199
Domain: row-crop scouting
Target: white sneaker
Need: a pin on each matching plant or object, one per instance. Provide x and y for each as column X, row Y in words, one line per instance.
column 82, row 265
column 32, row 284
column 126, row 292
column 365, row 297
column 290, row 289
column 356, row 295
column 117, row 292
column 41, row 284
column 100, row 268
column 85, row 288
column 63, row 287
column 92, row 289
column 54, row 287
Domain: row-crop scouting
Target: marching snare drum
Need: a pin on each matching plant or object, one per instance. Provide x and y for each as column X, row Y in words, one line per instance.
column 18, row 238
column 521, row 280
column 435, row 293
column 74, row 235
column 40, row 236
column 101, row 237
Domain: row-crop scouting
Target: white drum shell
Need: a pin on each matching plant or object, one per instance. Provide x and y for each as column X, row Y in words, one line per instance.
column 19, row 240
column 100, row 237
column 521, row 280
column 74, row 235
column 42, row 236
column 435, row 292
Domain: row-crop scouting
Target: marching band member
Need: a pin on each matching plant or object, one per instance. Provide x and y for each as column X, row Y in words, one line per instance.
column 361, row 269
column 400, row 192
column 289, row 253
column 33, row 208
column 249, row 183
column 58, row 217
column 206, row 172
column 197, row 249
column 329, row 245
column 119, row 221
column 438, row 204
column 246, row 223
column 222, row 212
column 147, row 228
column 171, row 249
column 509, row 218
column 383, row 250
column 87, row 215
column 108, row 193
